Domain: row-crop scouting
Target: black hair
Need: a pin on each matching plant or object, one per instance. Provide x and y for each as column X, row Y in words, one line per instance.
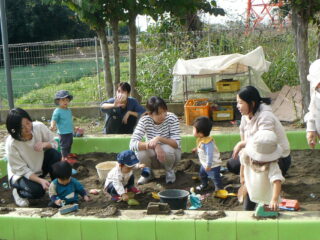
column 155, row 103
column 251, row 95
column 62, row 170
column 125, row 87
column 14, row 122
column 203, row 125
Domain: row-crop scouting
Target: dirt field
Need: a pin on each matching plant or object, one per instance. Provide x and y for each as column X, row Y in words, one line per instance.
column 302, row 183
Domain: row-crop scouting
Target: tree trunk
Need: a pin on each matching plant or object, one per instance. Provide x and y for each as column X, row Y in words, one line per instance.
column 133, row 56
column 318, row 47
column 106, row 62
column 300, row 28
column 116, row 52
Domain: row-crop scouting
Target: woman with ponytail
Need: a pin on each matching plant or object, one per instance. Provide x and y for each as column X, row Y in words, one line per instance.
column 257, row 115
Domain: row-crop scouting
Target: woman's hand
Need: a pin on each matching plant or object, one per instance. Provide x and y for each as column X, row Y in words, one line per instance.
column 237, row 149
column 312, row 139
column 44, row 183
column 153, row 142
column 38, row 147
column 161, row 155
column 125, row 117
column 120, row 100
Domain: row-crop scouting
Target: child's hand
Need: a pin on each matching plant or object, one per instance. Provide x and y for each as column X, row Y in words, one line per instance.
column 312, row 139
column 87, row 198
column 125, row 197
column 53, row 128
column 141, row 165
column 194, row 150
column 58, row 202
column 208, row 169
column 274, row 205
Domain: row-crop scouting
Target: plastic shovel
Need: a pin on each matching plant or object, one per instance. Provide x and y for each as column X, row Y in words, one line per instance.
column 222, row 193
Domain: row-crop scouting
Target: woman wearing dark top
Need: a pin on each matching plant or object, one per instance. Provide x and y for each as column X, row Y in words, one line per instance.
column 122, row 112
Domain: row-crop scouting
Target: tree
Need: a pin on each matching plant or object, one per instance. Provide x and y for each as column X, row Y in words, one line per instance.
column 92, row 13
column 303, row 11
column 29, row 21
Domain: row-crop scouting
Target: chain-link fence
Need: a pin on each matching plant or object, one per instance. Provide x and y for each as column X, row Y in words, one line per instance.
column 40, row 69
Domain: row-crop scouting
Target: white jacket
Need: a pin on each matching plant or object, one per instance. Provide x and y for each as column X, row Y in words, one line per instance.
column 264, row 119
column 23, row 160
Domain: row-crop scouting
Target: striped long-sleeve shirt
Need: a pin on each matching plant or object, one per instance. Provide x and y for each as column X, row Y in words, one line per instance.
column 169, row 128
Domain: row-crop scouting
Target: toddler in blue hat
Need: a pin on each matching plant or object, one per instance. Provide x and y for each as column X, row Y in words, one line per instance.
column 120, row 179
column 62, row 119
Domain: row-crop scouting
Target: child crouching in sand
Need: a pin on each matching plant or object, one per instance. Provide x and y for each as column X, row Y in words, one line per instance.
column 120, row 179
column 260, row 172
column 208, row 154
column 65, row 189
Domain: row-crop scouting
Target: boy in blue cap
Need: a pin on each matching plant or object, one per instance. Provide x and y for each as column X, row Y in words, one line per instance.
column 120, row 179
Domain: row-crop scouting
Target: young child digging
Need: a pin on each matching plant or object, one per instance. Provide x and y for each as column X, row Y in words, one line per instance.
column 208, row 154
column 62, row 119
column 65, row 189
column 120, row 179
column 260, row 172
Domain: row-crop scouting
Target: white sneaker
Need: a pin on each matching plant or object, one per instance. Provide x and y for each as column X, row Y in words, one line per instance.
column 170, row 176
column 143, row 180
column 21, row 202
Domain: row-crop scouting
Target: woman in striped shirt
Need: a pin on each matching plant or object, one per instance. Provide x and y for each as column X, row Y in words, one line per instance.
column 161, row 149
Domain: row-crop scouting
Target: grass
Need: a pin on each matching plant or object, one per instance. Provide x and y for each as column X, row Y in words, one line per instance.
column 86, row 90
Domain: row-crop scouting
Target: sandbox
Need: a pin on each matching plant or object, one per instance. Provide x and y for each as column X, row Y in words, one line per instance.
column 32, row 223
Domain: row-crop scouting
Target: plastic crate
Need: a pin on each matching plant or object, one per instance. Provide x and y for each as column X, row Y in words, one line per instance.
column 228, row 86
column 195, row 108
column 223, row 115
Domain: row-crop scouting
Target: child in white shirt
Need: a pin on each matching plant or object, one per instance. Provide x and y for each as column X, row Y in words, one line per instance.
column 312, row 118
column 260, row 172
column 120, row 179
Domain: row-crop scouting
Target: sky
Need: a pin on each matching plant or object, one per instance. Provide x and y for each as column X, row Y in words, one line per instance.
column 235, row 10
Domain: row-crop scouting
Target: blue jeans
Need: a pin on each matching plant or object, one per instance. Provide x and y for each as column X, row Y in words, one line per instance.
column 213, row 175
column 112, row 191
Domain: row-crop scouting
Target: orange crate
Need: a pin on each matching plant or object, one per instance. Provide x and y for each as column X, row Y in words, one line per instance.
column 228, row 86
column 223, row 115
column 195, row 108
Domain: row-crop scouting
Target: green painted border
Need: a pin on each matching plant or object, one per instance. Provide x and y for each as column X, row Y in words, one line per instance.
column 225, row 142
column 237, row 225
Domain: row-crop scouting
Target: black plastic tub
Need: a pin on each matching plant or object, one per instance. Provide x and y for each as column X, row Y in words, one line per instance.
column 176, row 198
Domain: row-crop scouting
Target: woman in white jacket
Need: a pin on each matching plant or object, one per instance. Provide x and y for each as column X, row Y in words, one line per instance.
column 31, row 151
column 312, row 118
column 257, row 115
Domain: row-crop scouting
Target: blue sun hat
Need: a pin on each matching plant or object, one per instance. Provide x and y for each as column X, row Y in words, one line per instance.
column 127, row 158
column 62, row 94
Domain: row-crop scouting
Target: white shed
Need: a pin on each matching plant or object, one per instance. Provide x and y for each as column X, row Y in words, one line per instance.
column 202, row 73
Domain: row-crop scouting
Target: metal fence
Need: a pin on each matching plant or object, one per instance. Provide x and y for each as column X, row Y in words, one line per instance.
column 40, row 69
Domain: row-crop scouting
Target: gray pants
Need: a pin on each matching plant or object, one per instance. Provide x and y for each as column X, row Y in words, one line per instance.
column 66, row 141
column 149, row 157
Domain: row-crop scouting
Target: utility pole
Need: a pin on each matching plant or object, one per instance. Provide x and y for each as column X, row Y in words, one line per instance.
column 4, row 33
